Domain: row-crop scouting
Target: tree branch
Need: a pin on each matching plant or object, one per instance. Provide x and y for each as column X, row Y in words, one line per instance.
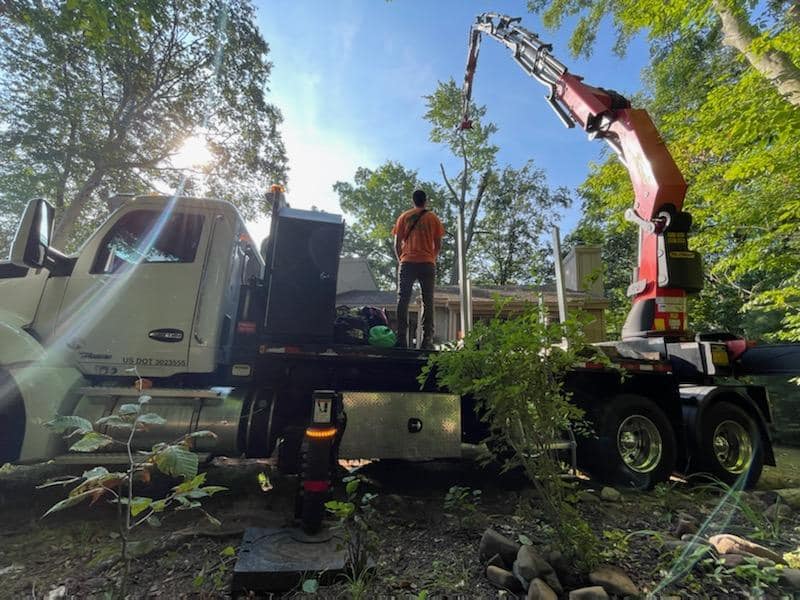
column 773, row 64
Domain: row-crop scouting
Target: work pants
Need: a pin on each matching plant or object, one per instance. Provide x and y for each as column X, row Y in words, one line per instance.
column 407, row 274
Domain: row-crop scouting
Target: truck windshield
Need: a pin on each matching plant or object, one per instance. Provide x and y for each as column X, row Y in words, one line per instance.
column 146, row 236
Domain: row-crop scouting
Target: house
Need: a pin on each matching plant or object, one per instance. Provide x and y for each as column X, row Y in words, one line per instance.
column 356, row 287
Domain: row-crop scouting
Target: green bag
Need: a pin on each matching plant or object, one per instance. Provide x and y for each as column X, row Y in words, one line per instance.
column 382, row 336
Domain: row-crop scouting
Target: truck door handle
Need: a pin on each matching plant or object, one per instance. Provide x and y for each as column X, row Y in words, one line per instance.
column 414, row 425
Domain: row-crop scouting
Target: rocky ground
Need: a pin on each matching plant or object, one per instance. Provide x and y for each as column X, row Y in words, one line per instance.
column 663, row 543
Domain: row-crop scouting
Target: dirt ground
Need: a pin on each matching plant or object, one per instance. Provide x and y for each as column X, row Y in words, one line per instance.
column 424, row 550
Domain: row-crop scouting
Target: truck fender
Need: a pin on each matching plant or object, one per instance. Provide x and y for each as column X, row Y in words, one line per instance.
column 16, row 344
column 697, row 399
column 44, row 390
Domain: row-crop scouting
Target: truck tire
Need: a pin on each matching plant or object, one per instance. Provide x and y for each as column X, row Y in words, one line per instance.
column 12, row 419
column 635, row 444
column 730, row 445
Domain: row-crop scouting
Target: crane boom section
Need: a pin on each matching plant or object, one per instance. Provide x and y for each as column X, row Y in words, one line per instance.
column 667, row 270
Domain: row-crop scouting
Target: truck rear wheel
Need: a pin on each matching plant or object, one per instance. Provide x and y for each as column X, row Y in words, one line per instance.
column 635, row 444
column 730, row 445
column 12, row 419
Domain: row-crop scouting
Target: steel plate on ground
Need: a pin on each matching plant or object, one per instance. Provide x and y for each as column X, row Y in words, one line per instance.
column 406, row 425
column 277, row 560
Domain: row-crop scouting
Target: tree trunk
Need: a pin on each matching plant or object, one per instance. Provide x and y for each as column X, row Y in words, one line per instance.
column 66, row 224
column 775, row 65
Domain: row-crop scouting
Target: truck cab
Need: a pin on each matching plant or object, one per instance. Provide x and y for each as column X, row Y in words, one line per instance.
column 155, row 288
column 153, row 292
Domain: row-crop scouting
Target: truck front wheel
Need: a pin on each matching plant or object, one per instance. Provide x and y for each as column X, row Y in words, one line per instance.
column 635, row 444
column 730, row 445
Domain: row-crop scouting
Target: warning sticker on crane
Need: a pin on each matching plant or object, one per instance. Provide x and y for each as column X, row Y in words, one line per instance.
column 671, row 304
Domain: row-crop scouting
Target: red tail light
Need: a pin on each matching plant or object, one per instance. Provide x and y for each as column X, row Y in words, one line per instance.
column 246, row 327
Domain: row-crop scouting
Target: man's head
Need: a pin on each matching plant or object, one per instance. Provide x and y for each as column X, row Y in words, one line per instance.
column 420, row 198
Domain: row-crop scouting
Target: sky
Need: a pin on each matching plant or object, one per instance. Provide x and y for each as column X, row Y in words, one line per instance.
column 349, row 77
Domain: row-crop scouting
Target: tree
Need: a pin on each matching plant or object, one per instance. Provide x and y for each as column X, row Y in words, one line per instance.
column 375, row 199
column 94, row 104
column 766, row 35
column 519, row 209
column 473, row 149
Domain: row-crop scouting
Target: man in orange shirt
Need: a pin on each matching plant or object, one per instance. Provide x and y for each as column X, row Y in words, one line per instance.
column 417, row 241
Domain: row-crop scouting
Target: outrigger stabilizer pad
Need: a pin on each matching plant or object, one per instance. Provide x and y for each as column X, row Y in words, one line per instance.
column 278, row 559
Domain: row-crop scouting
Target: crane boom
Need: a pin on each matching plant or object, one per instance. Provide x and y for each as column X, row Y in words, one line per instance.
column 667, row 270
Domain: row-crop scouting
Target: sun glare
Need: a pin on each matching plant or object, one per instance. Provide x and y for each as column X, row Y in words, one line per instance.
column 194, row 153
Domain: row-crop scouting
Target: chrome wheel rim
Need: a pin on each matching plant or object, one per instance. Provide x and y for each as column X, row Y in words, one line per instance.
column 732, row 447
column 639, row 443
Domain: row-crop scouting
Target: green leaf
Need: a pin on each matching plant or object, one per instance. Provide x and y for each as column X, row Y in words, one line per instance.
column 128, row 409
column 213, row 489
column 113, row 421
column 158, row 505
column 177, row 461
column 91, row 442
column 95, row 472
column 310, row 586
column 524, row 540
column 228, row 551
column 153, row 521
column 352, row 487
column 198, row 581
column 192, row 484
column 68, row 423
column 139, row 504
column 144, row 399
column 69, row 502
column 151, row 419
column 203, row 433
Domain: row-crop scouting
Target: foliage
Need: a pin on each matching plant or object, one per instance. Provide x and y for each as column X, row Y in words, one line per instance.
column 99, row 97
column 217, row 572
column 174, row 459
column 516, row 375
column 742, row 180
column 463, row 503
column 519, row 211
column 759, row 578
column 356, row 518
column 375, row 199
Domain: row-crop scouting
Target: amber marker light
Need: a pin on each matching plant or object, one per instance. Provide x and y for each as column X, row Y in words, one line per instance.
column 321, row 433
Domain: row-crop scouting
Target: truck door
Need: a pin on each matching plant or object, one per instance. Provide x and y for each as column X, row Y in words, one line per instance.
column 131, row 298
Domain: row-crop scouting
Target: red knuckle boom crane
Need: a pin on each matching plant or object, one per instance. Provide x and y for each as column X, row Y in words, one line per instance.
column 667, row 270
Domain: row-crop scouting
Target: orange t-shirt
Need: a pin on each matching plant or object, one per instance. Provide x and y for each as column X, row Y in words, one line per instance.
column 419, row 245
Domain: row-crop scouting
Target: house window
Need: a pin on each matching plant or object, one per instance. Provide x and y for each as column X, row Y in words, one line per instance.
column 149, row 236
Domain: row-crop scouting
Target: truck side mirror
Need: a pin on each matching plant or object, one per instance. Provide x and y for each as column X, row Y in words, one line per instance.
column 32, row 240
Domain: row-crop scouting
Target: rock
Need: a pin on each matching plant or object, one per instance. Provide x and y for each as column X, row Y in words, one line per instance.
column 57, row 594
column 779, row 510
column 595, row 592
column 539, row 590
column 531, row 565
column 588, row 497
column 726, row 543
column 554, row 583
column 684, row 527
column 790, row 496
column 503, row 579
column 609, row 494
column 614, row 580
column 732, row 560
column 789, row 579
column 497, row 561
column 495, row 543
